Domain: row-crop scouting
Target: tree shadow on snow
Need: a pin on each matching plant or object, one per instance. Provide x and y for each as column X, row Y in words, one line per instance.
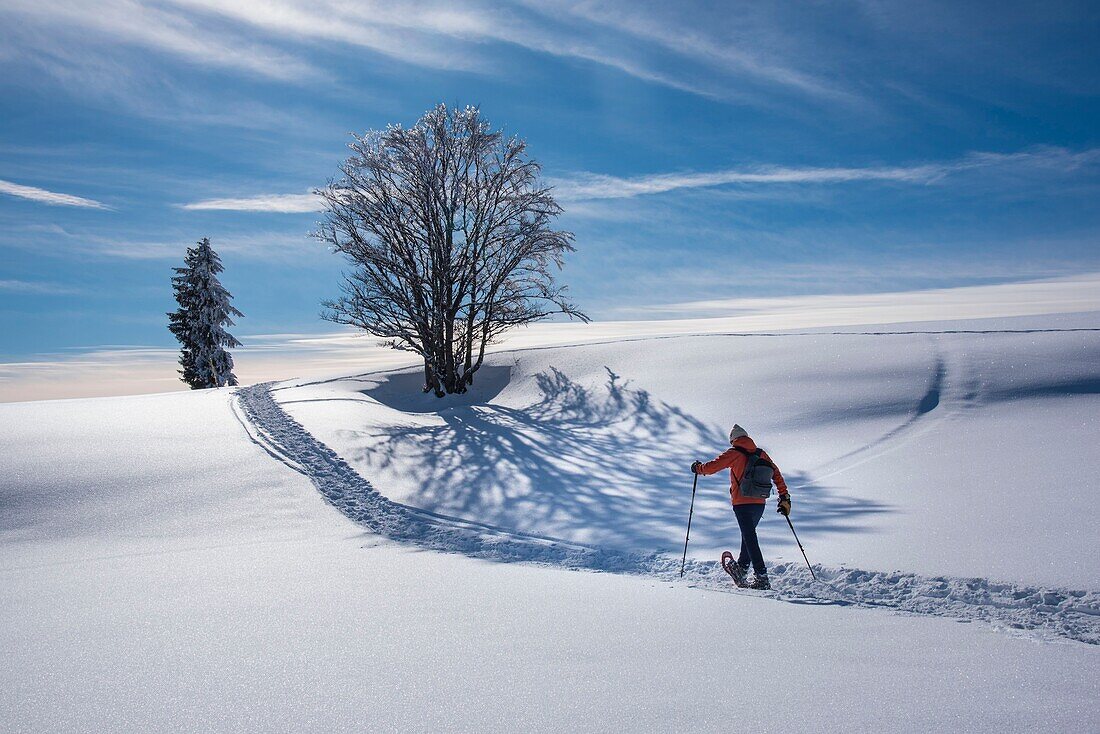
column 606, row 465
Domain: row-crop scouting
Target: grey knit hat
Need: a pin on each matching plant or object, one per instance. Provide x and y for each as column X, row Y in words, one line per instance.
column 737, row 432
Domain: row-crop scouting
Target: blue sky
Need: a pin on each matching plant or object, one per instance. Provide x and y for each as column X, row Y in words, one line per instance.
column 701, row 151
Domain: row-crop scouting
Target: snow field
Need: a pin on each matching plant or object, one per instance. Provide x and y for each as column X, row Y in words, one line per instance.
column 346, row 634
column 1067, row 612
column 907, row 452
column 168, row 562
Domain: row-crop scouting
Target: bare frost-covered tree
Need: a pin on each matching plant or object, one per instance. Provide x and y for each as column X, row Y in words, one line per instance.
column 450, row 234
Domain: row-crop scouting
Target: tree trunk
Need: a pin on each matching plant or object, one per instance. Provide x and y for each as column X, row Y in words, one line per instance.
column 431, row 382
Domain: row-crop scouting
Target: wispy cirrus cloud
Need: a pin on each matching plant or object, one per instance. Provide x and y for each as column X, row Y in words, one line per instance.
column 289, row 246
column 741, row 57
column 279, row 203
column 35, row 287
column 273, row 38
column 368, row 25
column 51, row 198
column 63, row 34
column 266, row 245
column 451, row 36
column 587, row 186
column 646, row 43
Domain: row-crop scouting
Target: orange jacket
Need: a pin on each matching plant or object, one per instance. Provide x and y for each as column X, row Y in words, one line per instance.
column 735, row 461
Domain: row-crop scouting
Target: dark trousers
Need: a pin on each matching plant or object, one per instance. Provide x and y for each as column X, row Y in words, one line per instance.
column 748, row 516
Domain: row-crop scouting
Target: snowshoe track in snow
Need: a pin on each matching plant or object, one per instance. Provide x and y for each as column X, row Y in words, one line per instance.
column 1041, row 612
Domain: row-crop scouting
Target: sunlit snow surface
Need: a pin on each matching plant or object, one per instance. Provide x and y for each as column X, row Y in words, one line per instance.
column 965, row 454
column 169, row 563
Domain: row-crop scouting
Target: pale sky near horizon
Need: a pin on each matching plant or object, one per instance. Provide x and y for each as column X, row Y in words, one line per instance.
column 703, row 152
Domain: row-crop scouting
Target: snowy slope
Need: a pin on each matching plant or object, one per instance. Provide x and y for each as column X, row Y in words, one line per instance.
column 961, row 454
column 168, row 562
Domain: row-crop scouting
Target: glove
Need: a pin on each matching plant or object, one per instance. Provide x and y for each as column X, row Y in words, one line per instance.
column 784, row 507
column 695, row 466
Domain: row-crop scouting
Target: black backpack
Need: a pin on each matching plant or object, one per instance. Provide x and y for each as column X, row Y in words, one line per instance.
column 756, row 481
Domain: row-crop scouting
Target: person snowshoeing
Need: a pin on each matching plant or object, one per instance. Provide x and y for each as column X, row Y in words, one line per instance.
column 748, row 509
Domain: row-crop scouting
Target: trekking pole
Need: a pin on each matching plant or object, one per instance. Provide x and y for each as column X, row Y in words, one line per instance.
column 800, row 547
column 694, row 484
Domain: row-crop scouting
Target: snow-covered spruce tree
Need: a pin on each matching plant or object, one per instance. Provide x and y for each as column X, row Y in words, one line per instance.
column 449, row 231
column 199, row 322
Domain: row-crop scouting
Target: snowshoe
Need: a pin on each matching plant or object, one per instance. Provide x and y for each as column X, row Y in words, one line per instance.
column 736, row 572
column 760, row 582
